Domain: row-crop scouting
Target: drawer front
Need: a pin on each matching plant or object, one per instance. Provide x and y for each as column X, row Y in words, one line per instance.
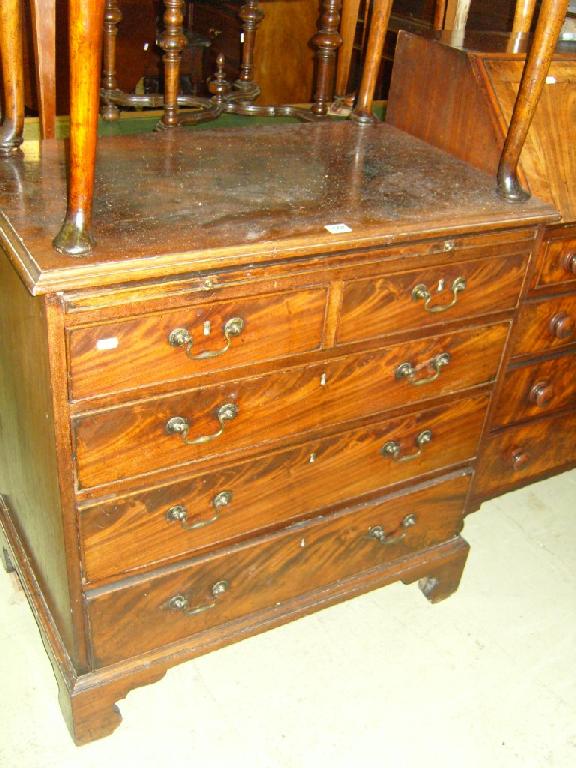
column 133, row 619
column 534, row 390
column 391, row 304
column 519, row 455
column 131, row 440
column 557, row 262
column 183, row 343
column 143, row 528
column 545, row 325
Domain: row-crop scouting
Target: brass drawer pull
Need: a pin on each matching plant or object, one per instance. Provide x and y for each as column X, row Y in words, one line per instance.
column 421, row 292
column 178, row 425
column 179, row 513
column 180, row 602
column 180, row 337
column 408, row 371
column 378, row 533
column 392, row 447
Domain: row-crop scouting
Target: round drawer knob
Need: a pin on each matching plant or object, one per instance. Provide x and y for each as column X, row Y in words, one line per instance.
column 520, row 459
column 562, row 326
column 541, row 394
column 569, row 262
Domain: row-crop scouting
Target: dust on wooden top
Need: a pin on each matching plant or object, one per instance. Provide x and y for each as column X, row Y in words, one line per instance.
column 181, row 201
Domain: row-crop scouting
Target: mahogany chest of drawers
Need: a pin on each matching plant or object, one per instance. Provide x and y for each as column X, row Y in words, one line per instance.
column 470, row 88
column 264, row 393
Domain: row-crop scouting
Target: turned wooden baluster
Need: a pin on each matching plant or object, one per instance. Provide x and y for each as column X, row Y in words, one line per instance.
column 380, row 17
column 523, row 17
column 112, row 17
column 86, row 23
column 550, row 20
column 13, row 76
column 251, row 16
column 172, row 41
column 326, row 41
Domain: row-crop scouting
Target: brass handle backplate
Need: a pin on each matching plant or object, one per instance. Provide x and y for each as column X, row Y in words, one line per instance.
column 393, row 450
column 408, row 371
column 178, row 425
column 180, row 337
column 421, row 293
column 378, row 533
column 182, row 604
column 179, row 513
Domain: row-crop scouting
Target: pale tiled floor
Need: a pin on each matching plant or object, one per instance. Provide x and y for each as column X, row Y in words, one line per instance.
column 486, row 679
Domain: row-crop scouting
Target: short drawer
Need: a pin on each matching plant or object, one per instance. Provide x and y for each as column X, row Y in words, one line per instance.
column 519, row 455
column 183, row 343
column 537, row 389
column 393, row 303
column 226, row 505
column 545, row 325
column 252, row 413
column 557, row 263
column 147, row 614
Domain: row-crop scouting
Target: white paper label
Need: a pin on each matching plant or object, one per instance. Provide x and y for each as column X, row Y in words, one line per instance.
column 337, row 229
column 104, row 344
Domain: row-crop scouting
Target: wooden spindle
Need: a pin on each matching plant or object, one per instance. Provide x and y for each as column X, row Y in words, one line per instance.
column 86, row 25
column 172, row 41
column 13, row 76
column 380, row 17
column 251, row 15
column 349, row 15
column 439, row 14
column 326, row 41
column 523, row 17
column 112, row 17
column 550, row 20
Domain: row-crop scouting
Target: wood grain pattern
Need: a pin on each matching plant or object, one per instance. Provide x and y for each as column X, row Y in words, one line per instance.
column 557, row 263
column 269, row 571
column 378, row 306
column 536, row 389
column 129, row 441
column 545, row 325
column 274, row 326
column 269, row 491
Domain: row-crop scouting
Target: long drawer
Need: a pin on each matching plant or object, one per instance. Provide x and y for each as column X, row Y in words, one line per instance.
column 534, row 390
column 521, row 454
column 133, row 619
column 218, row 507
column 545, row 325
column 377, row 306
column 215, row 420
column 187, row 342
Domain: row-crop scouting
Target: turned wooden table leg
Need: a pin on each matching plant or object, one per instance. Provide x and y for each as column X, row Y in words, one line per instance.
column 86, row 22
column 550, row 20
column 380, row 17
column 112, row 17
column 13, row 76
column 350, row 10
column 523, row 17
column 172, row 41
column 251, row 15
column 326, row 41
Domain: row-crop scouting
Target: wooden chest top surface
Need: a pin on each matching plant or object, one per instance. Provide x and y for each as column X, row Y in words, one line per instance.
column 183, row 201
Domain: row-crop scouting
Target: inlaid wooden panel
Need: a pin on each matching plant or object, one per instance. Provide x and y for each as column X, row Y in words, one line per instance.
column 545, row 325
column 133, row 619
column 137, row 351
column 374, row 307
column 522, row 454
column 132, row 440
column 272, row 490
column 557, row 263
column 533, row 390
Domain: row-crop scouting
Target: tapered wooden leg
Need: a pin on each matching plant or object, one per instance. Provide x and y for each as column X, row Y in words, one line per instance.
column 326, row 42
column 251, row 15
column 172, row 41
column 350, row 10
column 380, row 17
column 439, row 14
column 12, row 74
column 550, row 20
column 44, row 28
column 86, row 22
column 112, row 17
column 523, row 17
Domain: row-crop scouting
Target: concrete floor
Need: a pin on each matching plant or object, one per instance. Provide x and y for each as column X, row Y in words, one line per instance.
column 486, row 679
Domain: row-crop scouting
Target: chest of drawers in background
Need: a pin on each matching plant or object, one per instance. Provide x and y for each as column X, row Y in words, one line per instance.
column 470, row 88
